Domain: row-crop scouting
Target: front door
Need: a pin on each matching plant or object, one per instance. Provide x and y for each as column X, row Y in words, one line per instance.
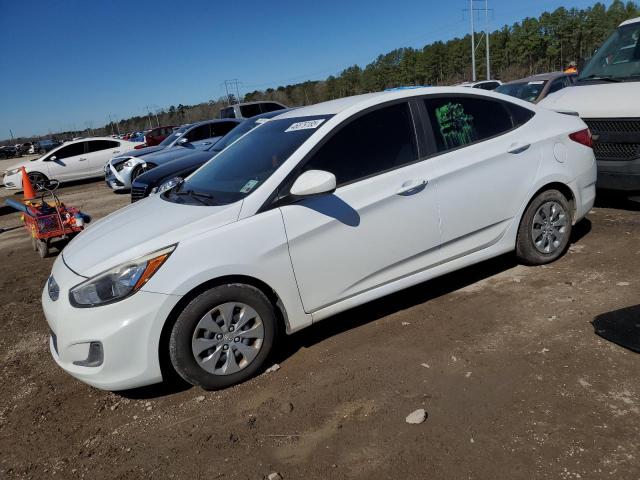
column 69, row 162
column 99, row 153
column 381, row 223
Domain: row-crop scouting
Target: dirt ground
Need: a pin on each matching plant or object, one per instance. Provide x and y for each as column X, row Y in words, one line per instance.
column 505, row 359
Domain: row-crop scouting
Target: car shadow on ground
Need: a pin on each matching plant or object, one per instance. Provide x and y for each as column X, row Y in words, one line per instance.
column 366, row 313
column 621, row 327
column 407, row 298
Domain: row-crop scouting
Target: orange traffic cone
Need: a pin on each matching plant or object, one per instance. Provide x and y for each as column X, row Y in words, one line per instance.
column 28, row 191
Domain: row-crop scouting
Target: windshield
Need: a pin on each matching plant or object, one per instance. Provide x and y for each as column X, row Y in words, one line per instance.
column 235, row 134
column 245, row 165
column 174, row 136
column 618, row 58
column 529, row 91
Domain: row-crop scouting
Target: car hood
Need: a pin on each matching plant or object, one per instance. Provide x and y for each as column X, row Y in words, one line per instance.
column 141, row 228
column 142, row 151
column 172, row 168
column 602, row 100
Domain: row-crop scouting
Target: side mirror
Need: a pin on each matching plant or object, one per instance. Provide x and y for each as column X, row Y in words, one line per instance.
column 313, row 182
column 183, row 140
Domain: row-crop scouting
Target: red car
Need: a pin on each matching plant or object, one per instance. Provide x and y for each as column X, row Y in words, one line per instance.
column 157, row 135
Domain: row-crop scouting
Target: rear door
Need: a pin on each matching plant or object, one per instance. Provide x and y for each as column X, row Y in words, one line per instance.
column 69, row 162
column 381, row 223
column 486, row 165
column 99, row 153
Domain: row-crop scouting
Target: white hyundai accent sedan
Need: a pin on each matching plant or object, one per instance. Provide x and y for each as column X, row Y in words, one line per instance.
column 313, row 212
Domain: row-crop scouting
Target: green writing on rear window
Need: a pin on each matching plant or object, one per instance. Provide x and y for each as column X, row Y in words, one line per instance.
column 456, row 126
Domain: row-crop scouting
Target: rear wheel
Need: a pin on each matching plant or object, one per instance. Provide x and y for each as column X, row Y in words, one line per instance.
column 545, row 229
column 223, row 336
column 43, row 248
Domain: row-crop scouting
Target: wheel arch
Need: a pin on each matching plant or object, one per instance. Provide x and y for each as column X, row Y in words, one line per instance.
column 163, row 345
column 563, row 188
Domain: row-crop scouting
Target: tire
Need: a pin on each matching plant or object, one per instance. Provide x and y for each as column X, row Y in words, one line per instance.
column 38, row 181
column 204, row 334
column 545, row 229
column 139, row 170
column 43, row 248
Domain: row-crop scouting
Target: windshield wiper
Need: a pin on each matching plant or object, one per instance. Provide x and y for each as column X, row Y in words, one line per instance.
column 199, row 196
column 598, row 77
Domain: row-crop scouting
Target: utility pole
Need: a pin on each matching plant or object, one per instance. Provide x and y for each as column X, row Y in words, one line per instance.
column 149, row 116
column 486, row 18
column 472, row 12
column 11, row 135
column 230, row 84
column 473, row 43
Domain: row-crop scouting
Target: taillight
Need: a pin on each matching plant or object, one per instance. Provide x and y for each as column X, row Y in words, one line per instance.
column 583, row 137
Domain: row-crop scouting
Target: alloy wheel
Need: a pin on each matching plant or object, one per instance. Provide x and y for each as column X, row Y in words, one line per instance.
column 227, row 338
column 549, row 227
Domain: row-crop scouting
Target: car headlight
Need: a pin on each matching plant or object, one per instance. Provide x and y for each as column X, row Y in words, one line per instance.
column 119, row 282
column 129, row 163
column 14, row 171
column 53, row 288
column 168, row 185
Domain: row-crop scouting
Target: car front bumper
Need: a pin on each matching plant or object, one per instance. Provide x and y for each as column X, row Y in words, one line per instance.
column 112, row 347
column 13, row 182
column 118, row 180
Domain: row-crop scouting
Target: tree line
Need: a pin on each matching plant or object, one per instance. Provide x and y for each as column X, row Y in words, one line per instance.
column 533, row 45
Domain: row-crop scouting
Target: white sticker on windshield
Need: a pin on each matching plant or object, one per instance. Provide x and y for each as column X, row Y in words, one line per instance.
column 248, row 186
column 537, row 82
column 305, row 125
column 260, row 121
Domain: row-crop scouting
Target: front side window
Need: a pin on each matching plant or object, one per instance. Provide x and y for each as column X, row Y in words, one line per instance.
column 373, row 143
column 174, row 136
column 199, row 133
column 618, row 58
column 459, row 121
column 243, row 166
column 70, row 151
column 227, row 112
column 220, row 129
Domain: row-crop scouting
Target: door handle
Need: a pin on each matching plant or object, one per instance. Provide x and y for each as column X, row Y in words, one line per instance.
column 516, row 148
column 412, row 187
column 116, row 151
column 81, row 159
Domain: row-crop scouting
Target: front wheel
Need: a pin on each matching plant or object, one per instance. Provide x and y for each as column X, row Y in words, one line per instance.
column 38, row 181
column 223, row 336
column 545, row 229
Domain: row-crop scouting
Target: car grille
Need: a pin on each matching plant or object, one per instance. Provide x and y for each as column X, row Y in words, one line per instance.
column 615, row 139
column 616, row 151
column 615, row 126
column 138, row 192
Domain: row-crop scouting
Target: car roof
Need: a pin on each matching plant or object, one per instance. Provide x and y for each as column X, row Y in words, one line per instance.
column 541, row 77
column 358, row 102
column 630, row 21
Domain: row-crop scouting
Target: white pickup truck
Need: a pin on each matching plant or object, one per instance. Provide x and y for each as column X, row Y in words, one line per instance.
column 607, row 97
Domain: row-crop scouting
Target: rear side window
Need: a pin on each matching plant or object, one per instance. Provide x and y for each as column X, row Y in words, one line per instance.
column 519, row 115
column 556, row 85
column 249, row 111
column 376, row 142
column 97, row 145
column 460, row 121
column 72, row 150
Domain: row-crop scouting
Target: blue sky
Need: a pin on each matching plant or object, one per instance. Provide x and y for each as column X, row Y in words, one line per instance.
column 66, row 63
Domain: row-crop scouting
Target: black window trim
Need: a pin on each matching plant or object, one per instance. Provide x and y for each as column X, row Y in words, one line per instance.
column 275, row 200
column 430, row 131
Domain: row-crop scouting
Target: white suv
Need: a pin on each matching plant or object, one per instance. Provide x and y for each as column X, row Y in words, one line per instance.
column 313, row 212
